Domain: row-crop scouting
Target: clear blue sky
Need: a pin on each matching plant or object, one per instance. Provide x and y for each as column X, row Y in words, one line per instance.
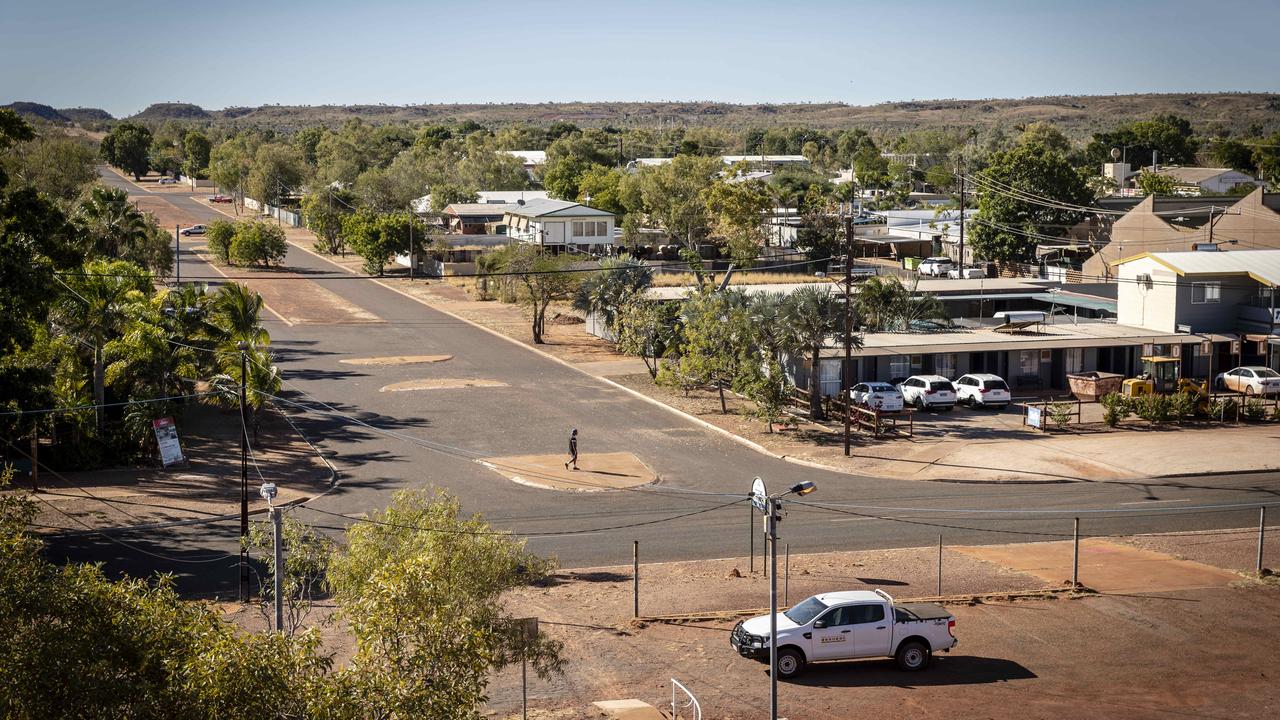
column 124, row 55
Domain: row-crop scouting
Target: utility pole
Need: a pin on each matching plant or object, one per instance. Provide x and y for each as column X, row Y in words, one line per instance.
column 845, row 379
column 244, row 475
column 771, row 532
column 962, row 199
column 277, row 538
column 177, row 254
column 411, row 216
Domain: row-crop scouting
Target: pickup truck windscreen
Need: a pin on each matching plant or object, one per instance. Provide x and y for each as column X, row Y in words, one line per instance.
column 804, row 612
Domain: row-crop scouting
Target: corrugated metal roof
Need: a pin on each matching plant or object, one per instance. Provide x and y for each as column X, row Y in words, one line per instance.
column 544, row 207
column 1261, row 265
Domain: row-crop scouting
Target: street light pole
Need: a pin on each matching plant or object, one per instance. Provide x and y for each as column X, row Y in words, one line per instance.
column 846, row 376
column 177, row 254
column 772, row 504
column 244, row 475
column 410, row 242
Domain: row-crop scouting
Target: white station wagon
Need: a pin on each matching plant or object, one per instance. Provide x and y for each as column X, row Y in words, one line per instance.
column 877, row 396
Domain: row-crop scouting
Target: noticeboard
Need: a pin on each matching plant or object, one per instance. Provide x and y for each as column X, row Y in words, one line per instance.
column 167, row 439
column 1034, row 418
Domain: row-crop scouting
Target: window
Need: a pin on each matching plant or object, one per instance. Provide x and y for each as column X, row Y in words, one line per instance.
column 899, row 366
column 859, row 614
column 590, row 228
column 1075, row 360
column 835, row 618
column 945, row 364
column 1206, row 292
column 941, row 385
column 1029, row 362
column 996, row 385
column 804, row 612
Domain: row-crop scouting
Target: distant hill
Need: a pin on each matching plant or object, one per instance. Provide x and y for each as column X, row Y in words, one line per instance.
column 1079, row 116
column 36, row 110
column 172, row 111
column 86, row 115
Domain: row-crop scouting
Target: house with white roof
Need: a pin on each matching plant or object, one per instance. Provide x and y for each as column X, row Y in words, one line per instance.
column 560, row 224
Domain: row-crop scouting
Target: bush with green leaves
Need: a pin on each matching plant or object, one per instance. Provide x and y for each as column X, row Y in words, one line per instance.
column 1224, row 409
column 1116, row 408
column 218, row 235
column 1183, row 405
column 258, row 243
column 1153, row 407
column 1254, row 410
column 1060, row 413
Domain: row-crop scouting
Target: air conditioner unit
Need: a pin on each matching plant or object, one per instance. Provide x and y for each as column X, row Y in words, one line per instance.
column 1144, row 279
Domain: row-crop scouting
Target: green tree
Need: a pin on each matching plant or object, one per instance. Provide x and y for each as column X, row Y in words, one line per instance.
column 196, row 147
column 115, row 229
column 606, row 189
column 1046, row 135
column 1007, row 223
column 379, row 238
column 543, row 279
column 277, row 170
column 419, row 588
column 716, row 332
column 737, row 211
column 322, row 211
column 1153, row 183
column 1169, row 136
column 885, row 304
column 674, row 197
column 257, row 242
column 648, row 329
column 218, row 235
column 605, row 292
column 58, row 165
column 128, row 147
column 237, row 317
column 231, row 160
column 1266, row 157
column 814, row 316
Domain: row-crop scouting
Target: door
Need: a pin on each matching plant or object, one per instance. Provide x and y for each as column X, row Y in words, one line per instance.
column 872, row 632
column 835, row 639
column 554, row 233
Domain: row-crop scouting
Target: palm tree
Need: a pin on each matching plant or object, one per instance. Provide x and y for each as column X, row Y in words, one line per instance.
column 237, row 315
column 604, row 293
column 110, row 222
column 813, row 317
column 889, row 305
column 95, row 307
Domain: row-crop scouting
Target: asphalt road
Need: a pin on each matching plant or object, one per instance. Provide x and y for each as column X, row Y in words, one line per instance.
column 439, row 433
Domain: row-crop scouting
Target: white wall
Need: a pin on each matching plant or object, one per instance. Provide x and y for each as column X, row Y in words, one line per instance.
column 1154, row 306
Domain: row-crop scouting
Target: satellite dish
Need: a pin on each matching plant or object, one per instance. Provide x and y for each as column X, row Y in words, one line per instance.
column 1115, row 153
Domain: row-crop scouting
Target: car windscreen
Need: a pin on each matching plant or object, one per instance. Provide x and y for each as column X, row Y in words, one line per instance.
column 996, row 385
column 804, row 612
column 937, row 385
column 882, row 387
column 1268, row 373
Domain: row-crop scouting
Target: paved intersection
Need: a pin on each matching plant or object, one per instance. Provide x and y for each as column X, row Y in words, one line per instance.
column 433, row 437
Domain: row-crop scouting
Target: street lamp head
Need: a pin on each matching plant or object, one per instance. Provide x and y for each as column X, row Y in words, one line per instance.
column 268, row 492
column 242, row 346
column 803, row 488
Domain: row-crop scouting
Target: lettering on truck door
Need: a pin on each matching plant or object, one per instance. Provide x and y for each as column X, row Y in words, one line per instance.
column 872, row 631
column 836, row 639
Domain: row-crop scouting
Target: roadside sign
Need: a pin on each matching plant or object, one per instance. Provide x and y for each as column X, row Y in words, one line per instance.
column 167, row 438
column 758, row 495
column 1206, row 348
column 1235, row 347
column 1033, row 417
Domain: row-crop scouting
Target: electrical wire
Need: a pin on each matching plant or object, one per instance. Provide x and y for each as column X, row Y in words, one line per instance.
column 78, row 408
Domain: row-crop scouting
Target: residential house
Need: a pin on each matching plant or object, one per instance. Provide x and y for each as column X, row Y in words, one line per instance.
column 1204, row 181
column 475, row 218
column 1178, row 224
column 492, row 197
column 559, row 224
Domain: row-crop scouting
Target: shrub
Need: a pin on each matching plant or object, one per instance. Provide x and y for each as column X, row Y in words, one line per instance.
column 258, row 243
column 1116, row 408
column 1153, row 408
column 1060, row 413
column 1223, row 409
column 1183, row 405
column 218, row 235
column 1254, row 410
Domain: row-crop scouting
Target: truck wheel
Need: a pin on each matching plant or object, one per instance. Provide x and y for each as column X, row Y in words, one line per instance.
column 790, row 663
column 912, row 656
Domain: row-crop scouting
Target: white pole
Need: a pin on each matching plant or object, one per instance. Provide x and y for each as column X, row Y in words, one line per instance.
column 279, row 573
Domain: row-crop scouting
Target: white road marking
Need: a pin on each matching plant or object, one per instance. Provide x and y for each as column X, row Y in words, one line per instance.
column 1152, row 502
column 852, row 519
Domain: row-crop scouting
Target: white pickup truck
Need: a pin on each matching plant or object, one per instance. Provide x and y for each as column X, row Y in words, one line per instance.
column 849, row 625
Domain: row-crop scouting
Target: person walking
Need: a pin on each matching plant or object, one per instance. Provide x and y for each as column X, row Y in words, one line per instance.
column 573, row 450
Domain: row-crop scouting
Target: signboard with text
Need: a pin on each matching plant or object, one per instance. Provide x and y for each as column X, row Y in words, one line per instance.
column 167, row 439
column 759, row 498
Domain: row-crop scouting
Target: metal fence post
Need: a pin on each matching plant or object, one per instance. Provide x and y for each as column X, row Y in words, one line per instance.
column 1075, row 555
column 751, row 529
column 786, row 575
column 635, row 578
column 939, row 564
column 1262, row 533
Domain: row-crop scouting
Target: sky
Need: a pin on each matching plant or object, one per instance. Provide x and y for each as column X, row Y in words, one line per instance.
column 124, row 55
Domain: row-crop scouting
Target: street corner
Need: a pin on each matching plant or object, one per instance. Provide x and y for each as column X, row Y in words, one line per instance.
column 442, row 384
column 396, row 360
column 595, row 473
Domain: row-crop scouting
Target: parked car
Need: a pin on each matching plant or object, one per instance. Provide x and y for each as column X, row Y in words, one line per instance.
column 877, row 396
column 928, row 391
column 982, row 390
column 935, row 266
column 167, row 181
column 969, row 273
column 194, row 230
column 220, row 199
column 1252, row 380
column 846, row 626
